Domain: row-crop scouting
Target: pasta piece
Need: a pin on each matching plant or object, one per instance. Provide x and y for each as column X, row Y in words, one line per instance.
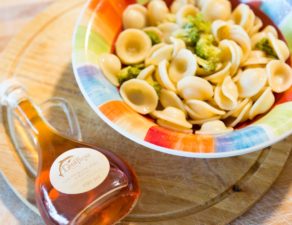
column 224, row 30
column 219, row 76
column 239, row 35
column 162, row 76
column 201, row 121
column 184, row 64
column 139, row 95
column 157, row 11
column 256, row 58
column 178, row 44
column 192, row 87
column 279, row 47
column 237, row 75
column 258, row 23
column 244, row 16
column 201, row 110
column 251, row 82
column 184, row 12
column 168, row 29
column 236, row 111
column 110, row 65
column 221, row 29
column 279, row 76
column 164, row 52
column 242, row 116
column 169, row 98
column 146, row 73
column 216, row 9
column 135, row 16
column 177, row 4
column 174, row 119
column 132, row 46
column 262, row 104
column 256, row 38
column 226, row 95
column 154, row 30
column 231, row 52
column 214, row 127
column 153, row 49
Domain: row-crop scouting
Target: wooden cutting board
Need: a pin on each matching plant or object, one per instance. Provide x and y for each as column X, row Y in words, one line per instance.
column 175, row 191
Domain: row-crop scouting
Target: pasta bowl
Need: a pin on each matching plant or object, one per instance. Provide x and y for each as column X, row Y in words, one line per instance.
column 96, row 31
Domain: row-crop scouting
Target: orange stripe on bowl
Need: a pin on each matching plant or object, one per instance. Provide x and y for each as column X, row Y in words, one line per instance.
column 119, row 3
column 127, row 119
column 180, row 141
column 120, row 6
column 107, row 20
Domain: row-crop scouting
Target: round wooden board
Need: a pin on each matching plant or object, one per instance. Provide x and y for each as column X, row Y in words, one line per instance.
column 175, row 190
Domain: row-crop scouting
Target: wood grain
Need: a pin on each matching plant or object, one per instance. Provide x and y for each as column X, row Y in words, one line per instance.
column 175, row 190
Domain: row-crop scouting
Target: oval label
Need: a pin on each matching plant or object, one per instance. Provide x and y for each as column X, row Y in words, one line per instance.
column 79, row 170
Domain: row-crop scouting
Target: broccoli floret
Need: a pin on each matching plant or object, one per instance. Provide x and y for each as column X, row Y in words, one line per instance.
column 199, row 23
column 155, row 39
column 265, row 46
column 156, row 86
column 129, row 72
column 206, row 49
column 206, row 67
column 190, row 37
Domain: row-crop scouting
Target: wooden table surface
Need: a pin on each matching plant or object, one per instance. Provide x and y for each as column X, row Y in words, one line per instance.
column 274, row 208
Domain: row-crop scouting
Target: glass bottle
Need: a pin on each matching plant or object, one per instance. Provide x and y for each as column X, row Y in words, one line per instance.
column 76, row 183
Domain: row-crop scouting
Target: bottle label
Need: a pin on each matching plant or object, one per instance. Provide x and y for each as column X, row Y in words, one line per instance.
column 79, row 170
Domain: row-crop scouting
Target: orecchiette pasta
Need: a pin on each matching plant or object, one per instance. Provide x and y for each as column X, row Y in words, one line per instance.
column 168, row 29
column 164, row 52
column 139, row 95
column 163, row 77
column 146, row 73
column 192, row 87
column 226, row 95
column 170, row 98
column 197, row 63
column 244, row 17
column 251, row 82
column 256, row 57
column 184, row 12
column 110, row 65
column 201, row 110
column 177, row 4
column 279, row 76
column 214, row 127
column 173, row 118
column 182, row 65
column 263, row 103
column 232, row 53
column 279, row 47
column 216, row 9
column 178, row 44
column 132, row 46
column 219, row 76
column 135, row 16
column 157, row 11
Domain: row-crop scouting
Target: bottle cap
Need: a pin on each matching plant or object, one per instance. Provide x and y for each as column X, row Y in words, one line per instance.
column 11, row 91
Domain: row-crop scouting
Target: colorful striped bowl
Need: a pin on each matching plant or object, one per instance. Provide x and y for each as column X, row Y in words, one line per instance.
column 96, row 31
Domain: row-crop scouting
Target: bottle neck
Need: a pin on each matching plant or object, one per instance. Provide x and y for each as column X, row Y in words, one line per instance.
column 30, row 115
column 20, row 107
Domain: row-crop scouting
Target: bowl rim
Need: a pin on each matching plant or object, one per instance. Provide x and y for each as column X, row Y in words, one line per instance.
column 175, row 152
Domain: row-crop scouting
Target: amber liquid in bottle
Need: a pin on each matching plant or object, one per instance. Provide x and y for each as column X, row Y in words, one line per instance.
column 106, row 203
